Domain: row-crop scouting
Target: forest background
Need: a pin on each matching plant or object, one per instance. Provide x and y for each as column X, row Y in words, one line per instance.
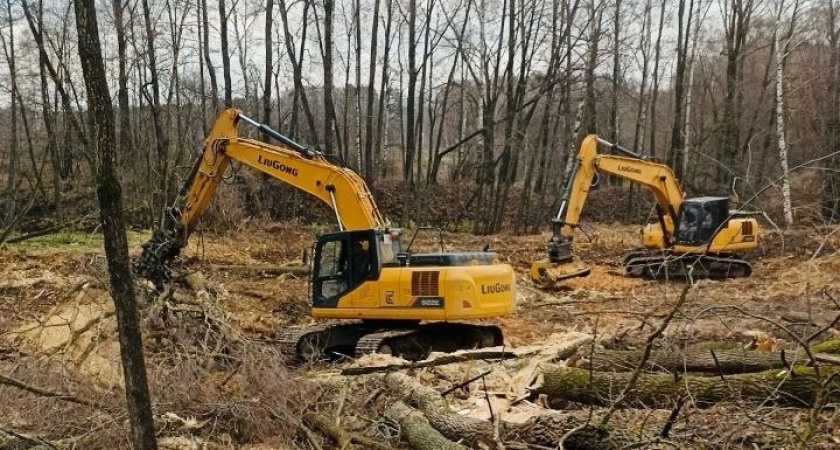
column 461, row 113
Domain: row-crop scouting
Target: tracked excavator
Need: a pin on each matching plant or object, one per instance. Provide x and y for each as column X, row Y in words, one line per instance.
column 693, row 237
column 402, row 303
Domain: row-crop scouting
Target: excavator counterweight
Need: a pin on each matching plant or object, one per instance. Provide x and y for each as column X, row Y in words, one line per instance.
column 360, row 271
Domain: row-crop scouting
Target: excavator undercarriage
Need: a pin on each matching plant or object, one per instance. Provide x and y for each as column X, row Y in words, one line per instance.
column 409, row 340
column 665, row 265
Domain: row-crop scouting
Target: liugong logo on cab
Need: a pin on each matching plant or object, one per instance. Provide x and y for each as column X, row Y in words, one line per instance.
column 495, row 288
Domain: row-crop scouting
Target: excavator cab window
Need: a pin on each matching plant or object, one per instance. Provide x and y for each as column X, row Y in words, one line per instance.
column 343, row 261
column 700, row 219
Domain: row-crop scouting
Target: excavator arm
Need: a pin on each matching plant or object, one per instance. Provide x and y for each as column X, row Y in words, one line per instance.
column 344, row 191
column 659, row 178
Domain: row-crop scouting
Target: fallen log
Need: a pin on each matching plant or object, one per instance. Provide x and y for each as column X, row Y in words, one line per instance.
column 415, row 428
column 799, row 387
column 726, row 359
column 548, row 431
column 449, row 358
column 829, row 346
column 265, row 269
column 342, row 437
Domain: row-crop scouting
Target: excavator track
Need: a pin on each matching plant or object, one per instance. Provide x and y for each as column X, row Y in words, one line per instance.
column 411, row 341
column 664, row 266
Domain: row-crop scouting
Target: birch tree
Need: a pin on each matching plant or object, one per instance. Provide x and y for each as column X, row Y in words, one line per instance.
column 783, row 47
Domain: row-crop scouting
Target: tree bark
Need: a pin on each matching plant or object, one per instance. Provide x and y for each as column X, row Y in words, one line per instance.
column 124, row 136
column 417, row 430
column 211, row 71
column 269, row 63
column 329, row 108
column 693, row 359
column 225, row 54
column 109, row 192
column 799, row 388
column 159, row 196
column 547, row 431
column 676, row 153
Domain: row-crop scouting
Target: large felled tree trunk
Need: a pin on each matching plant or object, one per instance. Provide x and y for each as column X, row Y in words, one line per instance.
column 113, row 226
column 800, row 387
column 704, row 360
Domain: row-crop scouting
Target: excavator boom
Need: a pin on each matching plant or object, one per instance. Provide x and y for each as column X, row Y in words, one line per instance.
column 342, row 189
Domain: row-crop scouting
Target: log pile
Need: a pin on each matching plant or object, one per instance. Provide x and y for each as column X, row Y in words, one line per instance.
column 575, row 372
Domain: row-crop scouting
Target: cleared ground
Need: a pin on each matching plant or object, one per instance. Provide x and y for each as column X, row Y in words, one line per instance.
column 57, row 331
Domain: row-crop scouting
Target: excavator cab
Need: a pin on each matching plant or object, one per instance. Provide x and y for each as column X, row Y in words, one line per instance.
column 346, row 259
column 700, row 218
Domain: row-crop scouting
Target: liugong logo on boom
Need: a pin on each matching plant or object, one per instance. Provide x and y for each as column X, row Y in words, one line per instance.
column 495, row 288
column 277, row 165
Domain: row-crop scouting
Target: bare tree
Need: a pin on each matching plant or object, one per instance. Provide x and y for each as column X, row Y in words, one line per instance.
column 13, row 168
column 109, row 193
column 159, row 196
column 783, row 47
column 124, row 135
column 223, row 18
column 831, row 193
column 211, row 71
column 676, row 154
column 738, row 17
column 269, row 64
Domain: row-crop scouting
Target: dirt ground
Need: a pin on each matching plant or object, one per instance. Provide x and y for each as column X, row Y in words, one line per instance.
column 57, row 328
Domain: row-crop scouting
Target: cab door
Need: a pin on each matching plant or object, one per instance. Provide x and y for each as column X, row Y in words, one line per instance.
column 346, row 267
column 330, row 279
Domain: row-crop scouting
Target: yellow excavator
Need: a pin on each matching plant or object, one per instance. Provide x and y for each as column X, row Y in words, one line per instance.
column 693, row 237
column 360, row 271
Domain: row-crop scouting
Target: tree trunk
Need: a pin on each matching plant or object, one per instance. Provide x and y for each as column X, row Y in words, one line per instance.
column 590, row 118
column 410, row 112
column 12, row 172
column 329, row 109
column 124, row 137
column 654, row 91
column 211, row 71
column 369, row 172
column 225, row 54
column 675, row 155
column 693, row 359
column 382, row 128
column 113, row 226
column 269, row 63
column 781, row 59
column 159, row 197
column 297, row 67
column 799, row 388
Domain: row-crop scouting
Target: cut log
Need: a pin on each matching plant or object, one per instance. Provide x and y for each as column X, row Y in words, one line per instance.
column 798, row 388
column 342, row 437
column 548, row 431
column 830, row 346
column 449, row 358
column 730, row 360
column 417, row 431
column 562, row 347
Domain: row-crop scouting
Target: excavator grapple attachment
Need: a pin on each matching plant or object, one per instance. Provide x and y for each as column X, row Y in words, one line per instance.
column 545, row 272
